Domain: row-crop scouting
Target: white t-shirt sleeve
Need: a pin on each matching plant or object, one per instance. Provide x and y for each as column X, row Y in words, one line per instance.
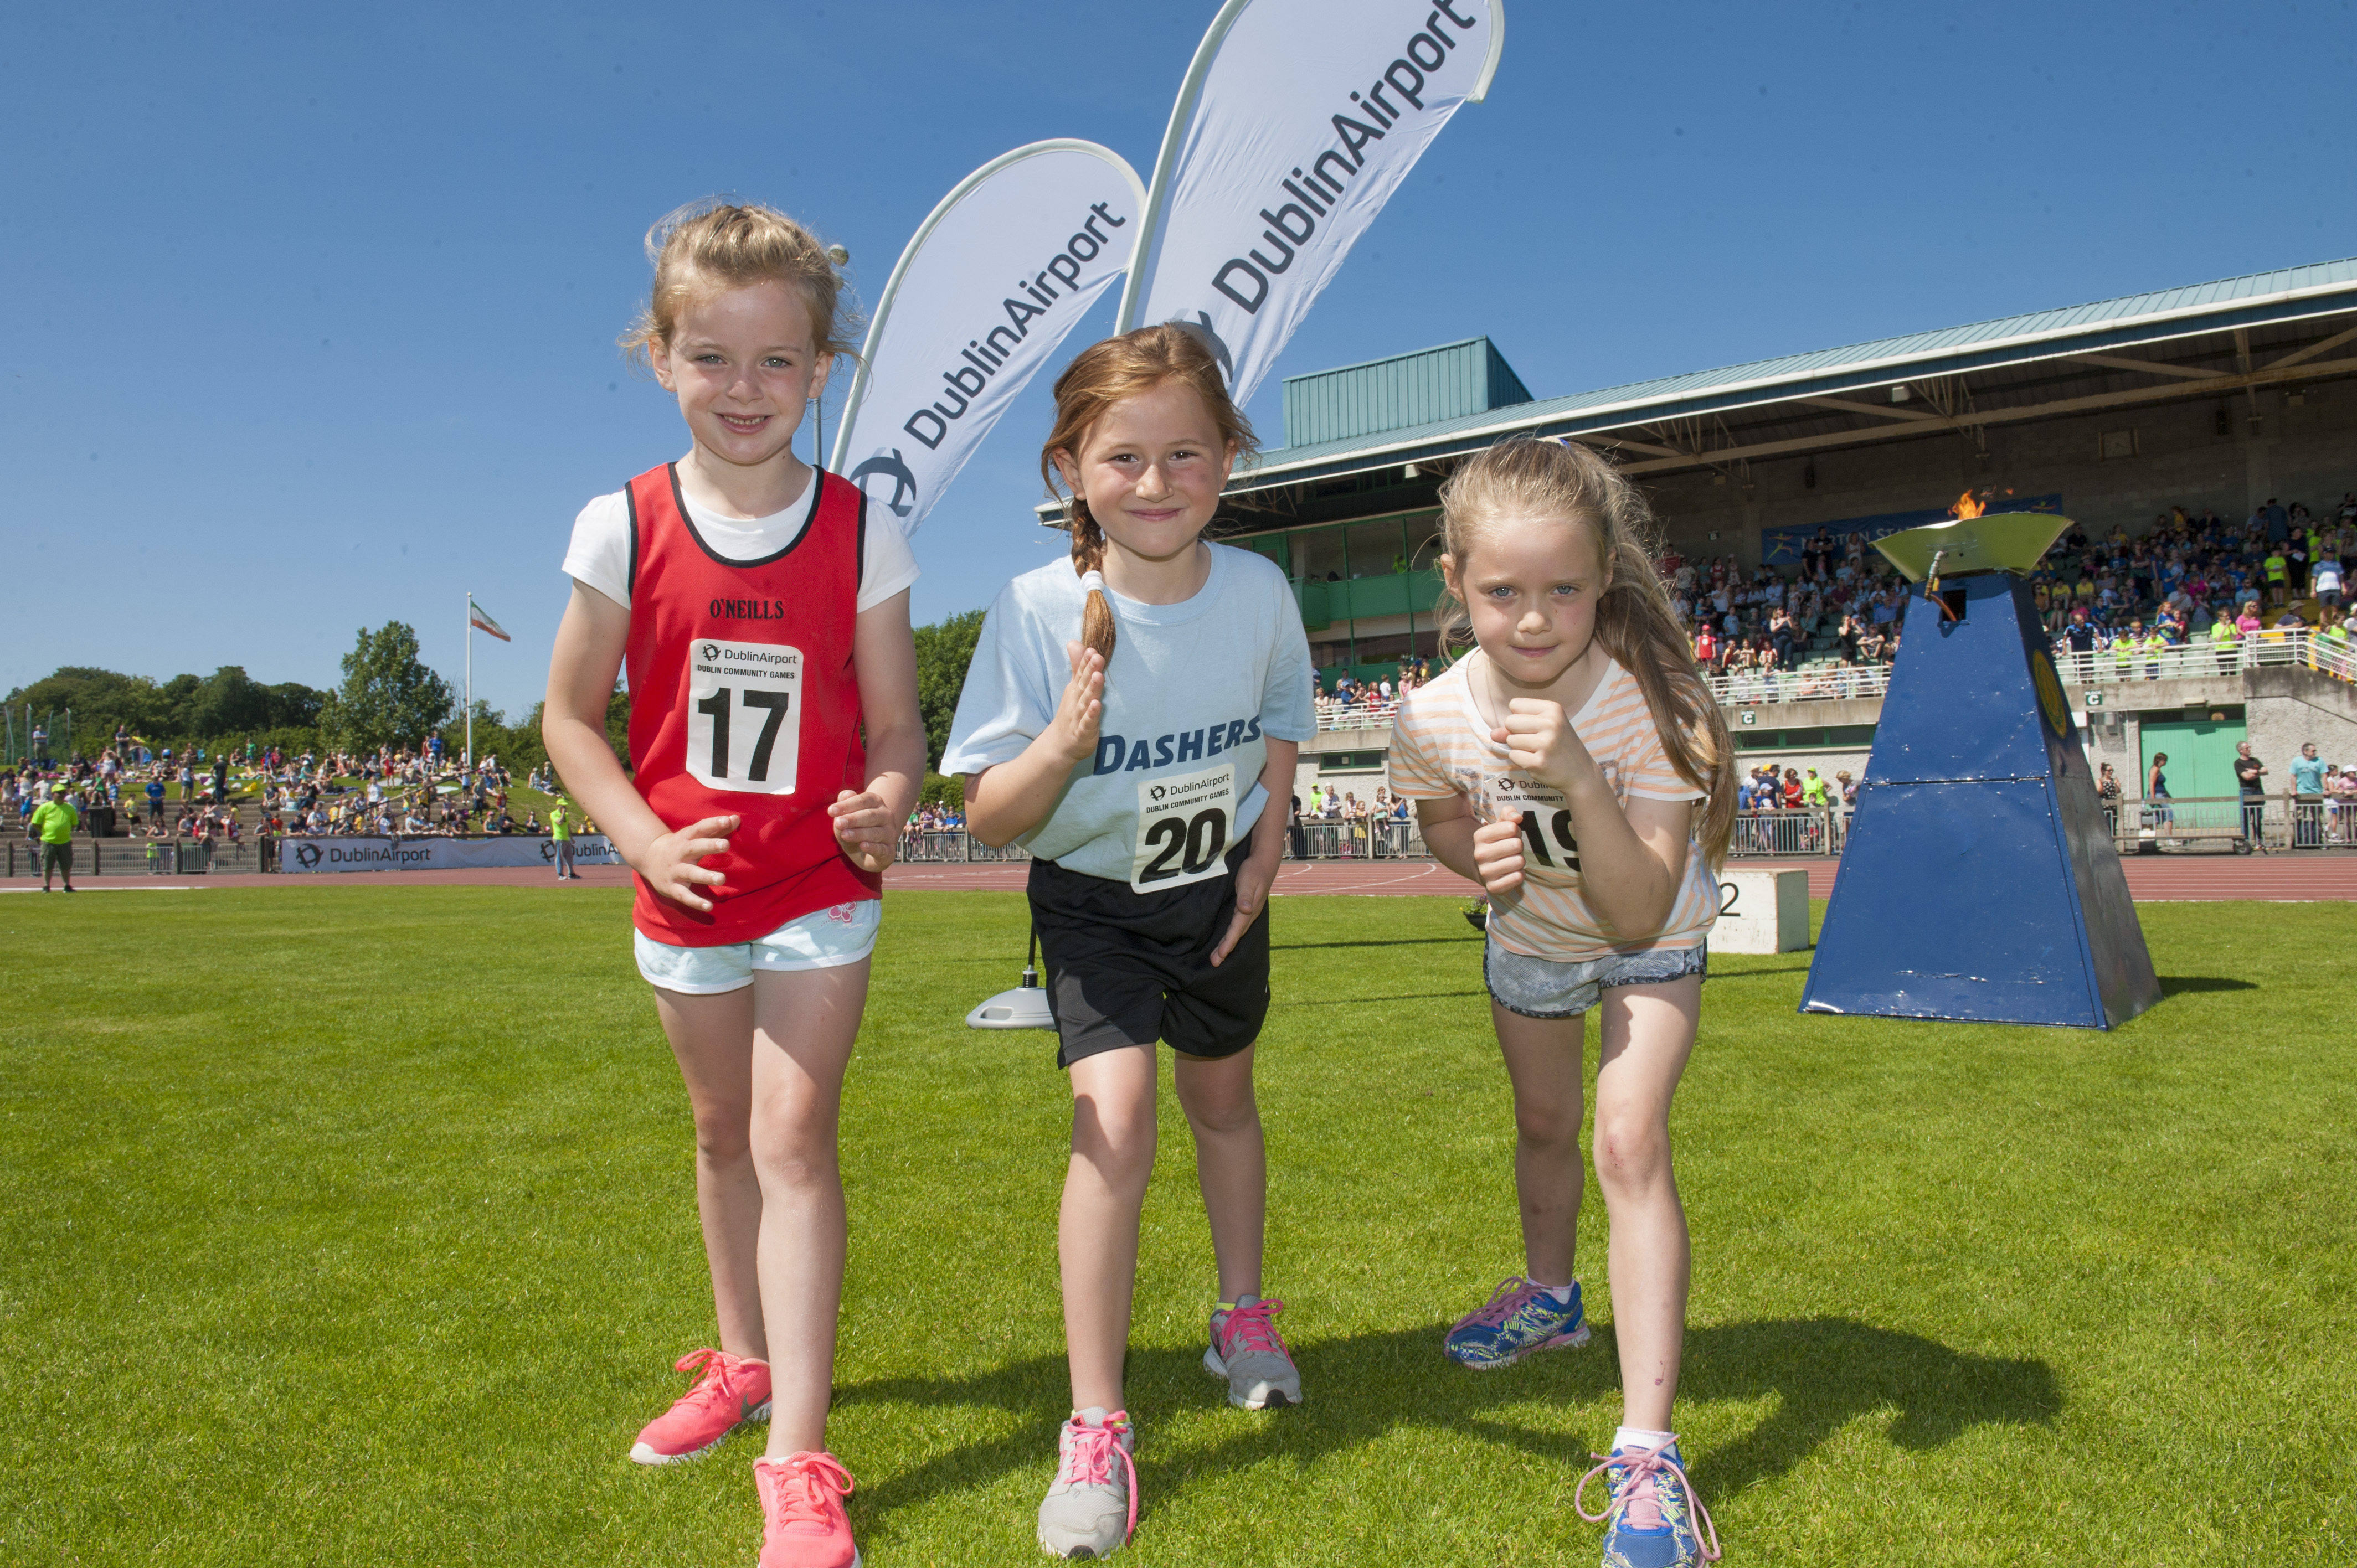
column 1287, row 711
column 599, row 554
column 1005, row 705
column 886, row 565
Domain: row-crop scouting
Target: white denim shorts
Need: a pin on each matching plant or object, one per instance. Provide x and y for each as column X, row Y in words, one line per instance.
column 823, row 939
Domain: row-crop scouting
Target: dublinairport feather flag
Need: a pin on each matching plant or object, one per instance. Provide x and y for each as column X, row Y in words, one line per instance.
column 477, row 617
column 1297, row 121
column 984, row 295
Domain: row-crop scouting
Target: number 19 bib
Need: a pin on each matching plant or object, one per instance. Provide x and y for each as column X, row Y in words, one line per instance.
column 743, row 715
column 1182, row 829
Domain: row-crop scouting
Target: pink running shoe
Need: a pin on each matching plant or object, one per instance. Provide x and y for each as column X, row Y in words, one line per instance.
column 733, row 1390
column 802, row 1521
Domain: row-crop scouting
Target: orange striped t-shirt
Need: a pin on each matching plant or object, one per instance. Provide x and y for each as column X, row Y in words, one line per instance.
column 1441, row 746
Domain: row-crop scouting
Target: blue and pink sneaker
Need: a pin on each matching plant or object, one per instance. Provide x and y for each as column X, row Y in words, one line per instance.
column 1653, row 1520
column 1519, row 1318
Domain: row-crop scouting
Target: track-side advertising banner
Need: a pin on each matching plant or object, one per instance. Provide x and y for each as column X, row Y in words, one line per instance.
column 319, row 856
column 1296, row 122
column 984, row 295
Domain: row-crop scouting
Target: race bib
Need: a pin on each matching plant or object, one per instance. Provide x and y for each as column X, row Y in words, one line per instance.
column 743, row 715
column 1550, row 852
column 1183, row 825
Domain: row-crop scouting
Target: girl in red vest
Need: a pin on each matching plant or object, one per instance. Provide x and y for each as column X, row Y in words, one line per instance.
column 764, row 617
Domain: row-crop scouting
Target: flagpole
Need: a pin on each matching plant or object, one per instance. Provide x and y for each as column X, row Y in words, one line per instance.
column 470, row 683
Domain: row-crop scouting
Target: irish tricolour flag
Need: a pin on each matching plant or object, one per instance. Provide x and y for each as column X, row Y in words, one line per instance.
column 478, row 615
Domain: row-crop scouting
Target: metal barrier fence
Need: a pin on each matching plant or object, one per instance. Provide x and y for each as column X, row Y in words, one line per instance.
column 2227, row 823
column 956, row 849
column 1783, row 835
column 2202, row 658
column 141, row 857
column 1815, row 683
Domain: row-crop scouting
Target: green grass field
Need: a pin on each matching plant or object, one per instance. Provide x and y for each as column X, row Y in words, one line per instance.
column 354, row 1224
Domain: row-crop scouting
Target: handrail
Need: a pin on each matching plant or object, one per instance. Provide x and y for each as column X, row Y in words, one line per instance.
column 2198, row 659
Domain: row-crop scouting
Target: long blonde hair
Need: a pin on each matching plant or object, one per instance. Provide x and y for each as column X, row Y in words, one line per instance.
column 710, row 245
column 1103, row 374
column 1524, row 478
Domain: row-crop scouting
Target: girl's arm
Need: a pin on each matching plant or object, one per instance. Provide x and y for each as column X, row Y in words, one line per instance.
column 1488, row 853
column 884, row 658
column 1257, row 875
column 590, row 643
column 1631, row 861
column 1005, row 801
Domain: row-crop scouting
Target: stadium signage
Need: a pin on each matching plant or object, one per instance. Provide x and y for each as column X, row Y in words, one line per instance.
column 1297, row 121
column 326, row 857
column 1004, row 267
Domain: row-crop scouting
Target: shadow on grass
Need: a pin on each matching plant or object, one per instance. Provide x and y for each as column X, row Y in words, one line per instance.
column 2171, row 984
column 1823, row 1372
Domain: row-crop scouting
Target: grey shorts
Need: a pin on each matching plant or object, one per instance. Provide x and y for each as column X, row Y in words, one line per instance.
column 1541, row 988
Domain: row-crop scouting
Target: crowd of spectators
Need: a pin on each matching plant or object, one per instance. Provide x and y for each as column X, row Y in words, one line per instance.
column 2192, row 579
column 202, row 793
column 1352, row 702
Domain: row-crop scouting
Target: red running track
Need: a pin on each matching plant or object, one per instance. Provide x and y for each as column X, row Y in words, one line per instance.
column 2283, row 878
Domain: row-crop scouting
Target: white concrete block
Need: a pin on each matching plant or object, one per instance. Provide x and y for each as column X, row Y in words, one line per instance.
column 1761, row 911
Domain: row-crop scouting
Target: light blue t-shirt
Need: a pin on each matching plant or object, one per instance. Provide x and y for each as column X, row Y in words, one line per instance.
column 2307, row 775
column 1193, row 687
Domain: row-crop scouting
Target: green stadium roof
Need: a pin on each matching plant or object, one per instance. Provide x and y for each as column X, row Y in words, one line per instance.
column 2255, row 300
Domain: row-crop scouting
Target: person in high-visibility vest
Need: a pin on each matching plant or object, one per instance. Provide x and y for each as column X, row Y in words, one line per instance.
column 560, row 828
column 2123, row 649
column 2278, row 573
column 53, row 823
column 2226, row 642
column 2155, row 645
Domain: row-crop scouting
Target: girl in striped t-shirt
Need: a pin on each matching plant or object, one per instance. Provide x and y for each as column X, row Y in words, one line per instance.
column 1576, row 766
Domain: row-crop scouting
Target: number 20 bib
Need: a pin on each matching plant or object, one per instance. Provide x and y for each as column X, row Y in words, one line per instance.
column 744, row 725
column 1183, row 827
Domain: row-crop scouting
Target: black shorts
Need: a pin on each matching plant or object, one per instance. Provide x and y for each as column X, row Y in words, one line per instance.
column 1127, row 968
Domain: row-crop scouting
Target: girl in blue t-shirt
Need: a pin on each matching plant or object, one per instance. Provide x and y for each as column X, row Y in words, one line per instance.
column 1145, row 766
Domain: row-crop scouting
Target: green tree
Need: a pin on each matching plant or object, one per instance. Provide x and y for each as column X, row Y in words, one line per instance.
column 389, row 697
column 944, row 651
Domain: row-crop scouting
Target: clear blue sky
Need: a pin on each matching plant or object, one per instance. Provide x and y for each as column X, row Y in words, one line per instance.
column 310, row 311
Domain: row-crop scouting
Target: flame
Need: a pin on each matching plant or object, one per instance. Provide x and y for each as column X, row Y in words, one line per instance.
column 1966, row 507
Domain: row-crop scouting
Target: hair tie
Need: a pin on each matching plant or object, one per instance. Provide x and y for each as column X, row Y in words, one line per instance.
column 1093, row 582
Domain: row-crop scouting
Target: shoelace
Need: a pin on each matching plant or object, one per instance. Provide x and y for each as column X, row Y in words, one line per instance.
column 810, row 1490
column 713, row 1367
column 1090, row 1454
column 1504, row 1303
column 1637, row 1496
column 1249, row 1328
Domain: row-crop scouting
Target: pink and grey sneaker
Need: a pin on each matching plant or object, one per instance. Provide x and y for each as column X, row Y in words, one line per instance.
column 1092, row 1506
column 733, row 1390
column 1248, row 1351
column 1654, row 1519
column 802, row 1521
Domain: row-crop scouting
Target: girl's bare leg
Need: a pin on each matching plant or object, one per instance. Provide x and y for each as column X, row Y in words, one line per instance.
column 804, row 1023
column 712, row 1037
column 1231, row 1161
column 1544, row 1062
column 1097, row 1234
column 1648, row 1032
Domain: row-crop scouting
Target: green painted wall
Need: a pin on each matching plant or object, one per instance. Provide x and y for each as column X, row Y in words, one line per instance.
column 2201, row 756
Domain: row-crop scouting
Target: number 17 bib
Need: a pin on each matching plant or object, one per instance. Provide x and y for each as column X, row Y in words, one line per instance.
column 1183, row 825
column 743, row 715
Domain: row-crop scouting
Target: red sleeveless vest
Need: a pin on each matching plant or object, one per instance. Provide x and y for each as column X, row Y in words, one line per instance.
column 744, row 702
